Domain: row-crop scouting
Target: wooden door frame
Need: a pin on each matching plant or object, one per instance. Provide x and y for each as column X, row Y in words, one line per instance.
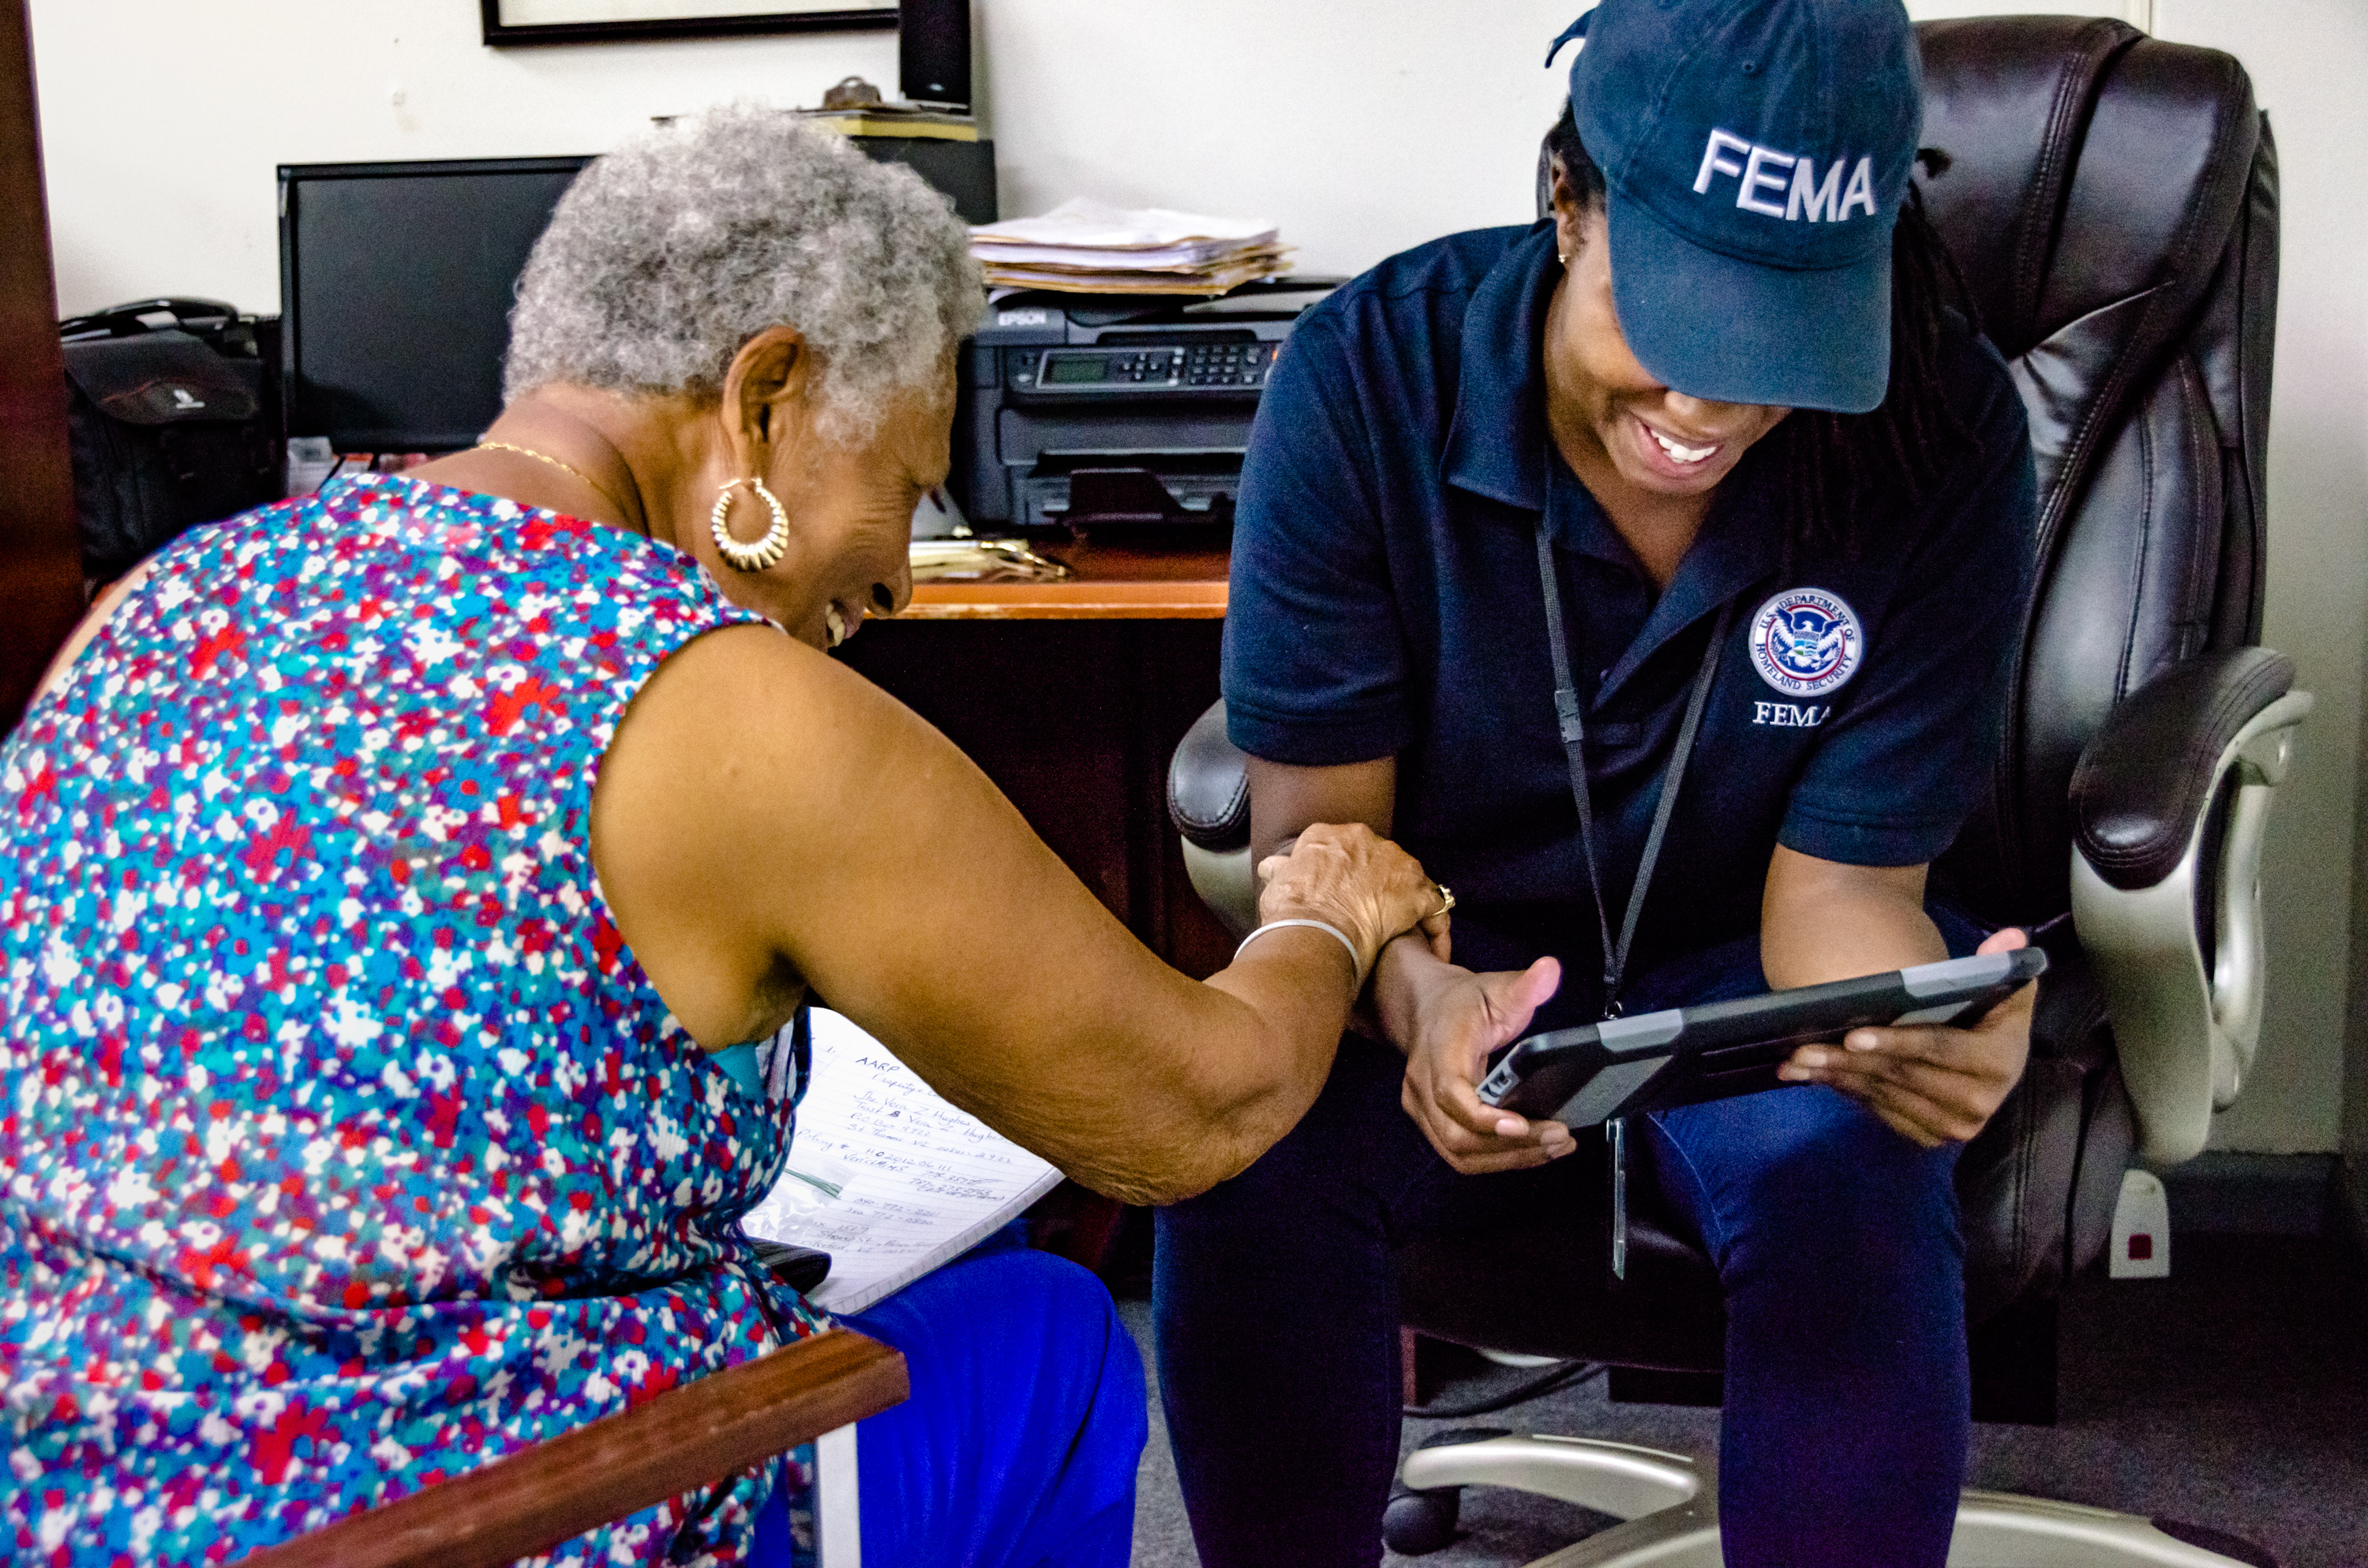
column 40, row 557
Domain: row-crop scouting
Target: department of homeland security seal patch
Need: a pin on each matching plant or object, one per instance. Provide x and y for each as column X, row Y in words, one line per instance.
column 1806, row 642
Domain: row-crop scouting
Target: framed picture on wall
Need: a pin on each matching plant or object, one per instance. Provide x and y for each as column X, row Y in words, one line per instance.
column 509, row 22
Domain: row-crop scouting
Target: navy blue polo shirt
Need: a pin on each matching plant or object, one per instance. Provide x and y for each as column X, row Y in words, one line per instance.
column 1385, row 602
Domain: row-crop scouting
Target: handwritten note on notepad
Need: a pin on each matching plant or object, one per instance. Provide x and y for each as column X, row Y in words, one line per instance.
column 885, row 1176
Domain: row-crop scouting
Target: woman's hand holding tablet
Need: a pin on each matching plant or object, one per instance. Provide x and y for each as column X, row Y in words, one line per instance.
column 1910, row 1048
column 1933, row 1085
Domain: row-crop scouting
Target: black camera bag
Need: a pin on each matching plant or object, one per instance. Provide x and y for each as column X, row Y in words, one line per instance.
column 167, row 429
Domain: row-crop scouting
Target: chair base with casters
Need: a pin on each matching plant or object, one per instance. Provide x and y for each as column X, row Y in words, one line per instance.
column 1668, row 1509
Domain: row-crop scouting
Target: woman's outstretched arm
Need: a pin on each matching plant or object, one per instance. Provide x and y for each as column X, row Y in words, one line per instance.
column 765, row 818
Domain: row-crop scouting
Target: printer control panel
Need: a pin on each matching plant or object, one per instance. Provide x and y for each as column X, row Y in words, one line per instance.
column 1134, row 370
column 1229, row 365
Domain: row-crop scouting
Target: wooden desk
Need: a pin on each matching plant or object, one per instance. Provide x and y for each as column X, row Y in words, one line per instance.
column 1113, row 583
column 1071, row 696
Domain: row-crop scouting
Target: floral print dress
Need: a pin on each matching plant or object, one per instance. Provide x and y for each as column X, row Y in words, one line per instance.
column 346, row 1146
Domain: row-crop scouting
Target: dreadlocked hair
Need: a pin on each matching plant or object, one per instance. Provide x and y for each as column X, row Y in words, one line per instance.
column 1842, row 472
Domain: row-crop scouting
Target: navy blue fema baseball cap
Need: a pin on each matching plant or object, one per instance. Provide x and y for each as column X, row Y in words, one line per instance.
column 1755, row 153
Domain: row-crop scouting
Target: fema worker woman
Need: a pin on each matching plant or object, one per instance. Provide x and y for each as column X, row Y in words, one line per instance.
column 1707, row 465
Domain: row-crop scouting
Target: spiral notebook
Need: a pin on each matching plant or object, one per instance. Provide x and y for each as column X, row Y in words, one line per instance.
column 885, row 1175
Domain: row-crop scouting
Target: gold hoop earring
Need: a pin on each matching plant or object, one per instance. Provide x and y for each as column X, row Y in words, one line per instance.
column 766, row 552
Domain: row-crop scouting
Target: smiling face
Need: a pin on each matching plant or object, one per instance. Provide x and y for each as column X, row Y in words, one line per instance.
column 1615, row 423
column 850, row 509
column 849, row 503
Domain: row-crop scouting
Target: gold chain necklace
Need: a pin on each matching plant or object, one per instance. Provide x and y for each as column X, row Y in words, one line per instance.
column 597, row 487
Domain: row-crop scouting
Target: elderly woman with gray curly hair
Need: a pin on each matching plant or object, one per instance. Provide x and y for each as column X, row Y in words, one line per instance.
column 393, row 881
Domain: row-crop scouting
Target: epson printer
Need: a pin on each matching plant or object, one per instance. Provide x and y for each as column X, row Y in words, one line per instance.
column 1117, row 412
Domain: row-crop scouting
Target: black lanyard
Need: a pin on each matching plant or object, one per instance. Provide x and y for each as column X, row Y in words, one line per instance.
column 1574, row 738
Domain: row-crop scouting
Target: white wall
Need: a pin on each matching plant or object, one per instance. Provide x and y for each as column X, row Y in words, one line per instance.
column 162, row 121
column 2307, row 59
column 1360, row 127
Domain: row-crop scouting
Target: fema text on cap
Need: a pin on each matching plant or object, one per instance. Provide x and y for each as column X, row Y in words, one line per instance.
column 1762, row 188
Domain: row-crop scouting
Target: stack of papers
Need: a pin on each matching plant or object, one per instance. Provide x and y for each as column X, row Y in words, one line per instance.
column 885, row 1176
column 1089, row 248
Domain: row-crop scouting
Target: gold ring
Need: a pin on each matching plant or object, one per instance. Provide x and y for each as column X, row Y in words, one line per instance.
column 1446, row 902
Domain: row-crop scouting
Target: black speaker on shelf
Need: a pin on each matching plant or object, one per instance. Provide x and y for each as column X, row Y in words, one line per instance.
column 933, row 52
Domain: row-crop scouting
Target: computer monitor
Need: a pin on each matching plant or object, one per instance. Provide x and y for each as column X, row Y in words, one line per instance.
column 395, row 287
column 396, row 282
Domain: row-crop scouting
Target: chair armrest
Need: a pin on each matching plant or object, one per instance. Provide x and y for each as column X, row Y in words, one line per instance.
column 1209, row 785
column 1209, row 801
column 2144, row 780
column 2169, row 804
column 690, row 1436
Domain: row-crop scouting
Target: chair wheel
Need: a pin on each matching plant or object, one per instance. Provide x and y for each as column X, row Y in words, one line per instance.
column 1415, row 1522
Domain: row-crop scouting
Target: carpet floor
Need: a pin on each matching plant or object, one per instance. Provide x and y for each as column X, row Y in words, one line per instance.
column 2232, row 1394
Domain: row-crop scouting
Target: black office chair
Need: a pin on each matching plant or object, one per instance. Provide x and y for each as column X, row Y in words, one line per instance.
column 2112, row 205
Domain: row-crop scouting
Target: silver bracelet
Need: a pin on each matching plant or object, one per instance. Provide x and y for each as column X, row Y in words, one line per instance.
column 1356, row 964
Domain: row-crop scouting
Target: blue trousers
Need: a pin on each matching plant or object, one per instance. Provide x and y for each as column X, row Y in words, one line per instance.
column 1018, row 1445
column 1846, row 1425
